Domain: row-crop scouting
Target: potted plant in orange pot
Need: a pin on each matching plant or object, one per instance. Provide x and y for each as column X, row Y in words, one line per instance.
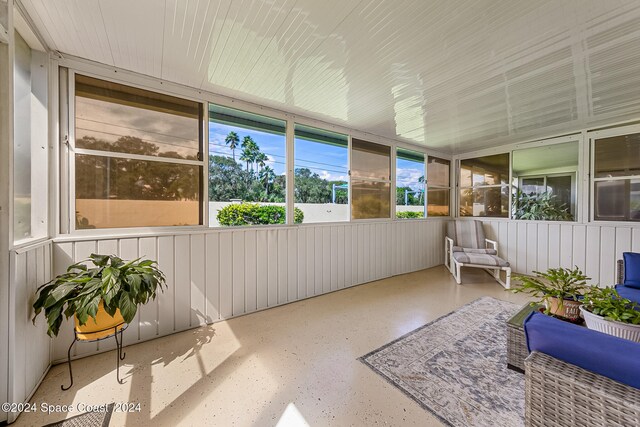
column 559, row 289
column 101, row 297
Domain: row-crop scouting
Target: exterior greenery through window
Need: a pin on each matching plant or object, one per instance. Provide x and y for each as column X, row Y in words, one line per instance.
column 544, row 182
column 137, row 157
column 371, row 180
column 247, row 182
column 321, row 174
column 617, row 178
column 484, row 186
column 410, row 184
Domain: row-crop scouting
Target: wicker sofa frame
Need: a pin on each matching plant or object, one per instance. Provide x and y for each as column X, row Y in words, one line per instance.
column 561, row 394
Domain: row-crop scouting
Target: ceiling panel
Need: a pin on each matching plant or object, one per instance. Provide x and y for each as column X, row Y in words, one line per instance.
column 455, row 75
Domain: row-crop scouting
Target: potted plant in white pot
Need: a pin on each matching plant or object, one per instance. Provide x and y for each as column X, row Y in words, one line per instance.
column 559, row 289
column 604, row 310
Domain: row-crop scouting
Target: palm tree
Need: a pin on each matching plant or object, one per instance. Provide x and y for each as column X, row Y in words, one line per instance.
column 232, row 140
column 267, row 175
column 245, row 156
column 261, row 160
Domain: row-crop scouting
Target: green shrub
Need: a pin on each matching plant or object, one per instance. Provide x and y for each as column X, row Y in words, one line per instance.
column 409, row 214
column 254, row 214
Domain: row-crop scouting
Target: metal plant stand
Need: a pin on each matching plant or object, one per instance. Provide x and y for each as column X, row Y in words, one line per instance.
column 119, row 354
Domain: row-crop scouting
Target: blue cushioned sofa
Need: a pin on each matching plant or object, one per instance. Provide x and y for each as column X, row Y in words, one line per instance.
column 577, row 376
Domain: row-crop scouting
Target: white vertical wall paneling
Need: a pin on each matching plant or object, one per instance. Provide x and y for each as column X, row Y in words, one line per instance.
column 31, row 345
column 522, row 247
column 579, row 245
column 262, row 269
column 554, row 245
column 566, row 245
column 532, row 247
column 543, row 247
column 250, row 271
column 238, row 283
column 592, row 267
column 226, row 275
column 623, row 241
column 326, row 259
column 212, row 274
column 334, row 257
column 216, row 275
column 148, row 312
column 635, row 240
column 166, row 263
column 283, row 277
column 302, row 263
column 292, row 264
column 607, row 255
column 182, row 272
column 198, row 284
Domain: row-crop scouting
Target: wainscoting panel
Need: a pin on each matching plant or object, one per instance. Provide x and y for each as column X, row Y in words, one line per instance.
column 536, row 246
column 218, row 274
column 29, row 344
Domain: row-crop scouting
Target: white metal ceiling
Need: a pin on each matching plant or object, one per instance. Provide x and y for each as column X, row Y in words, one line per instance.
column 456, row 75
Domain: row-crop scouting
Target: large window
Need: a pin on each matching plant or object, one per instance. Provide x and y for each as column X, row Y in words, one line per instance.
column 617, row 178
column 544, row 182
column 438, row 186
column 410, row 184
column 247, row 169
column 484, row 186
column 137, row 160
column 371, row 180
column 321, row 174
column 30, row 143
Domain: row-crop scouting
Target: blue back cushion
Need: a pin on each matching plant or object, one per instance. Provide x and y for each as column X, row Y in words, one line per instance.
column 631, row 269
column 629, row 293
column 603, row 354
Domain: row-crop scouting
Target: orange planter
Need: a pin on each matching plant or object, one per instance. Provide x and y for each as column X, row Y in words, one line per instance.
column 103, row 326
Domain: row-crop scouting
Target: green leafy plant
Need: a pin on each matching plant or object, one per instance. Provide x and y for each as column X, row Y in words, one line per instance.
column 254, row 214
column 606, row 302
column 539, row 206
column 119, row 284
column 560, row 283
column 409, row 215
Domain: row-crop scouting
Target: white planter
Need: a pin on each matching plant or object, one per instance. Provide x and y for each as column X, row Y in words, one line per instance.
column 618, row 329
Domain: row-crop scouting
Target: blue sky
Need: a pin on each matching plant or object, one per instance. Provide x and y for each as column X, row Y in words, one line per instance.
column 328, row 161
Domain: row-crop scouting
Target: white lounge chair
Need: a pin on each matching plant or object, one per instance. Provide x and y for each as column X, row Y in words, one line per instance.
column 466, row 246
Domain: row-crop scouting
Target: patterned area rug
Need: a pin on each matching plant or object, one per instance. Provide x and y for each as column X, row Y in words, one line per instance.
column 456, row 366
column 88, row 419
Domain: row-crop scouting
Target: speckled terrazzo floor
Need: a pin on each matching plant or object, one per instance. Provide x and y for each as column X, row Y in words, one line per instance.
column 291, row 363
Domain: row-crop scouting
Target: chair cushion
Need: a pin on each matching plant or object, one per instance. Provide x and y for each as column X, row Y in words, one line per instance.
column 474, row 251
column 629, row 292
column 631, row 269
column 466, row 233
column 479, row 259
column 603, row 354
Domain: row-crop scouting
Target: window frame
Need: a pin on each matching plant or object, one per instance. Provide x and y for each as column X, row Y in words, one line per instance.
column 67, row 218
column 436, row 187
column 459, row 187
column 394, row 176
column 390, row 181
column 295, row 123
column 62, row 81
column 592, row 137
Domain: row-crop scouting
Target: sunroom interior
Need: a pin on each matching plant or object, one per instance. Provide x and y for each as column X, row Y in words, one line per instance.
column 292, row 167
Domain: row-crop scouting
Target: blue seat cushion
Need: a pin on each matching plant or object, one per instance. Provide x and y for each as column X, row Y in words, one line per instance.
column 603, row 354
column 631, row 269
column 629, row 292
